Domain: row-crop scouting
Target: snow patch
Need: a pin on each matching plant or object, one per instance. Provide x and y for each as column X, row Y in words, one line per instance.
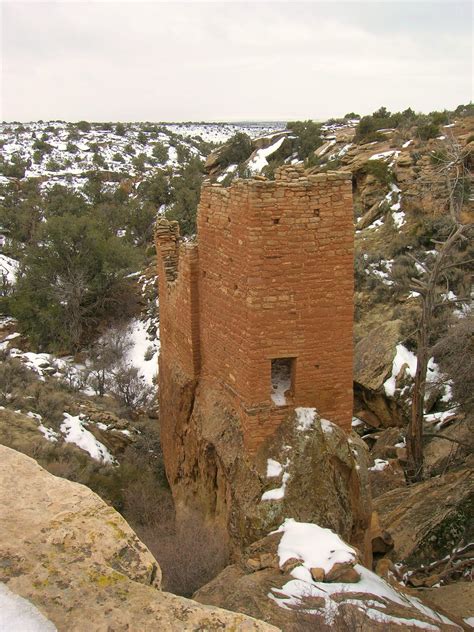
column 380, row 464
column 20, row 614
column 315, row 546
column 305, row 418
column 143, row 352
column 48, row 433
column 259, row 161
column 279, row 492
column 8, row 269
column 402, row 357
column 74, row 432
column 230, row 169
column 385, row 154
column 322, row 548
column 327, row 426
column 273, row 468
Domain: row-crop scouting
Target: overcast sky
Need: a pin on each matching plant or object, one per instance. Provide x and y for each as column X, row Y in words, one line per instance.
column 171, row 61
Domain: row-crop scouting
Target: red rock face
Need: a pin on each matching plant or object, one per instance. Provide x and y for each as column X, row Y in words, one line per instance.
column 271, row 279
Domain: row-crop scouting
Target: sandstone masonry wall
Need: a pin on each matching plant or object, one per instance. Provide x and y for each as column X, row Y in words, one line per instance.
column 179, row 305
column 272, row 277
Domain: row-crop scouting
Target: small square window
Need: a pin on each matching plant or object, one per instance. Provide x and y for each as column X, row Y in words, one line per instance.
column 282, row 380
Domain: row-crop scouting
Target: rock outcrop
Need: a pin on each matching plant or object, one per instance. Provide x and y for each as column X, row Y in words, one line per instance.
column 322, row 474
column 80, row 564
column 345, row 596
column 457, row 599
column 373, row 359
column 429, row 519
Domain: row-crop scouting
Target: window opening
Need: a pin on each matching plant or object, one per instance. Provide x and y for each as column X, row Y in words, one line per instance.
column 282, row 380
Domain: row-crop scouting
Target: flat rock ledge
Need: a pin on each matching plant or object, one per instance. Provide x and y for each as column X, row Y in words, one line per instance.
column 77, row 560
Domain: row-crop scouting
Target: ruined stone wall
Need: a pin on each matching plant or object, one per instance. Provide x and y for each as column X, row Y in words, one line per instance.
column 272, row 278
column 179, row 304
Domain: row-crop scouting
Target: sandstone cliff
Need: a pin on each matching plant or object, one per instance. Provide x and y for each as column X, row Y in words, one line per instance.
column 80, row 564
column 321, row 473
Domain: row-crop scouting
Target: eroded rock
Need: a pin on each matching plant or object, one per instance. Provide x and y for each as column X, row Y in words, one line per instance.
column 324, row 471
column 80, row 564
column 295, row 597
column 373, row 360
column 429, row 519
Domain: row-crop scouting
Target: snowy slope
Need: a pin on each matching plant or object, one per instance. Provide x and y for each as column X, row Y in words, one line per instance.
column 61, row 153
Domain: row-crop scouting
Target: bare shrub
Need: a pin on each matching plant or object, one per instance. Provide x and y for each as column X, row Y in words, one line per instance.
column 14, row 376
column 49, row 401
column 130, row 388
column 105, row 355
column 455, row 354
column 190, row 552
column 147, row 505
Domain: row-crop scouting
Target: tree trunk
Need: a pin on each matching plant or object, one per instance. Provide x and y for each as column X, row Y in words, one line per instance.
column 415, row 427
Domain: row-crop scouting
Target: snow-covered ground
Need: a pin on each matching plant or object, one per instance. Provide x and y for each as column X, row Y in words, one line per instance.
column 221, row 132
column 74, row 431
column 8, row 269
column 260, row 160
column 322, row 548
column 143, row 350
column 63, row 153
column 20, row 615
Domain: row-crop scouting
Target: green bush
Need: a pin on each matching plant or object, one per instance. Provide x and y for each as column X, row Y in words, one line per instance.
column 160, row 152
column 236, row 150
column 139, row 162
column 186, row 189
column 427, row 129
column 120, row 129
column 367, row 129
column 440, row 118
column 379, row 170
column 53, row 165
column 15, row 168
column 72, row 279
column 308, row 137
column 99, row 160
column 142, row 138
column 60, row 200
column 14, row 379
column 83, row 126
column 21, row 209
column 155, row 189
column 72, row 148
column 42, row 146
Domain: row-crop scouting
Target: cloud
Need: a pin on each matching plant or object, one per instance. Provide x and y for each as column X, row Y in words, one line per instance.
column 228, row 60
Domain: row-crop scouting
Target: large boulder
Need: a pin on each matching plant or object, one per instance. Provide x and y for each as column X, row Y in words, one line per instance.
column 452, row 445
column 457, row 599
column 374, row 354
column 373, row 362
column 429, row 519
column 306, row 578
column 80, row 564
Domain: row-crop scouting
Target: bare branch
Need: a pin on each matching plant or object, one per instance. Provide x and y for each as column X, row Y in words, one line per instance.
column 452, row 439
column 420, row 263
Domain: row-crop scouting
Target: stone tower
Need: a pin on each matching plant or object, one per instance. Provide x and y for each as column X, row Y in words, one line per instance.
column 262, row 304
